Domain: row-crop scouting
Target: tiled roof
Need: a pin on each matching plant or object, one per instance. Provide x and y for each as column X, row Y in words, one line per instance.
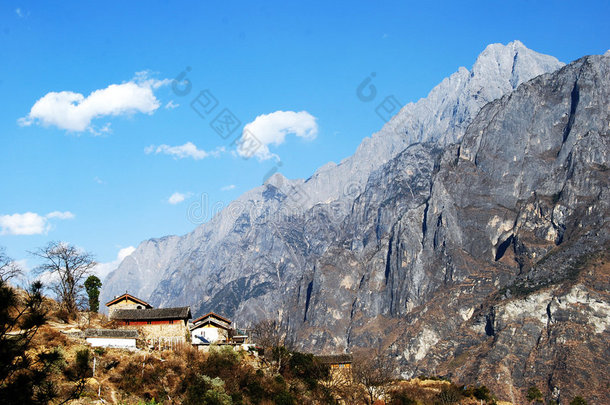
column 111, row 333
column 131, row 297
column 151, row 314
column 213, row 321
column 213, row 315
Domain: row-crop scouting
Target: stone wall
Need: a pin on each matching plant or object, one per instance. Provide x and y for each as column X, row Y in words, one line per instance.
column 178, row 330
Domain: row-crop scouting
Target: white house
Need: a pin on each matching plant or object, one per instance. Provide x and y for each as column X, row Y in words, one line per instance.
column 117, row 338
column 210, row 328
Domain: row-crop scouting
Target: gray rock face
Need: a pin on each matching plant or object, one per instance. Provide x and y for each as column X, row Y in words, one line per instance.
column 143, row 268
column 265, row 238
column 457, row 260
column 441, row 117
column 470, row 243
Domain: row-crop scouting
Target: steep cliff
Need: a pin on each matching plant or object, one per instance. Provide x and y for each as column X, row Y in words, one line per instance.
column 486, row 261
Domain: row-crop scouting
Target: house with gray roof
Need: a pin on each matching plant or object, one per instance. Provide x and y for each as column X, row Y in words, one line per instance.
column 159, row 327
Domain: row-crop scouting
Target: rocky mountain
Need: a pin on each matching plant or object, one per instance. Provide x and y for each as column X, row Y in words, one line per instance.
column 486, row 260
column 469, row 237
column 441, row 117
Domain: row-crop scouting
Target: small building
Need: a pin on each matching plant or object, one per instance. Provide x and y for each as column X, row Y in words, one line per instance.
column 116, row 338
column 210, row 328
column 337, row 361
column 169, row 324
column 126, row 301
column 159, row 327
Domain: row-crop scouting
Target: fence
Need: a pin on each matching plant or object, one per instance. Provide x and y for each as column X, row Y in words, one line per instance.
column 166, row 343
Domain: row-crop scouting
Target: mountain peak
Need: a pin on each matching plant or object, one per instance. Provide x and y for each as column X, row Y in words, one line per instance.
column 499, row 48
column 513, row 62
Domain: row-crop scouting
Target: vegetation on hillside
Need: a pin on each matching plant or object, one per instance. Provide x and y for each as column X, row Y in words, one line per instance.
column 43, row 360
column 33, row 368
column 56, row 367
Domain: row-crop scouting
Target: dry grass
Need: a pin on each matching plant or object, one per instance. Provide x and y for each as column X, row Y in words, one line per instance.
column 127, row 377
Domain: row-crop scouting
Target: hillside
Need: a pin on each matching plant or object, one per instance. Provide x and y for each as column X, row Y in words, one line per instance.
column 59, row 367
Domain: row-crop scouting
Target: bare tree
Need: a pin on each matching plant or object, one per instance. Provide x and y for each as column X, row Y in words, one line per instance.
column 341, row 384
column 271, row 335
column 374, row 372
column 267, row 334
column 8, row 268
column 69, row 266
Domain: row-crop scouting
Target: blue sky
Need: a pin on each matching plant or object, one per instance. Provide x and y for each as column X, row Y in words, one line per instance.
column 102, row 176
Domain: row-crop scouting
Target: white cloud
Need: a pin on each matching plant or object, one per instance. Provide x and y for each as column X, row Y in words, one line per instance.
column 188, row 150
column 271, row 129
column 105, row 129
column 74, row 112
column 228, row 188
column 98, row 180
column 177, row 198
column 48, row 278
column 123, row 253
column 30, row 223
column 171, row 105
column 103, row 269
column 21, row 13
column 61, row 215
column 143, row 78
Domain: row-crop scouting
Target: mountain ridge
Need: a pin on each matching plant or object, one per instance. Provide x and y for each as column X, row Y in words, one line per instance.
column 344, row 181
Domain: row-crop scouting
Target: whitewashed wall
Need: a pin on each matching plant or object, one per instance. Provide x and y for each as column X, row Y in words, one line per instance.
column 212, row 335
column 126, row 343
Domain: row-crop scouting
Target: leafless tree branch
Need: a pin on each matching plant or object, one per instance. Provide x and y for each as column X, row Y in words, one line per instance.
column 8, row 268
column 70, row 265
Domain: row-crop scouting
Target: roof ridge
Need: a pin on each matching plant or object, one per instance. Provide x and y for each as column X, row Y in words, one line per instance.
column 227, row 320
column 127, row 295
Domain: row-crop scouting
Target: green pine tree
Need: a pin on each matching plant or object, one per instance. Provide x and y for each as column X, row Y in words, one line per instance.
column 93, row 285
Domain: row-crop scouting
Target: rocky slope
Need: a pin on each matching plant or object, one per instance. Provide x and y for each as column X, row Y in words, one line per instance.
column 203, row 264
column 487, row 260
column 478, row 251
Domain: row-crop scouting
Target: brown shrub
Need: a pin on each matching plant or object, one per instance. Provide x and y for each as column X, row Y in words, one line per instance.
column 49, row 337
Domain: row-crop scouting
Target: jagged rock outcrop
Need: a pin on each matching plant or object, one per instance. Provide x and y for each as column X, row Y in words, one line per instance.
column 488, row 268
column 473, row 242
